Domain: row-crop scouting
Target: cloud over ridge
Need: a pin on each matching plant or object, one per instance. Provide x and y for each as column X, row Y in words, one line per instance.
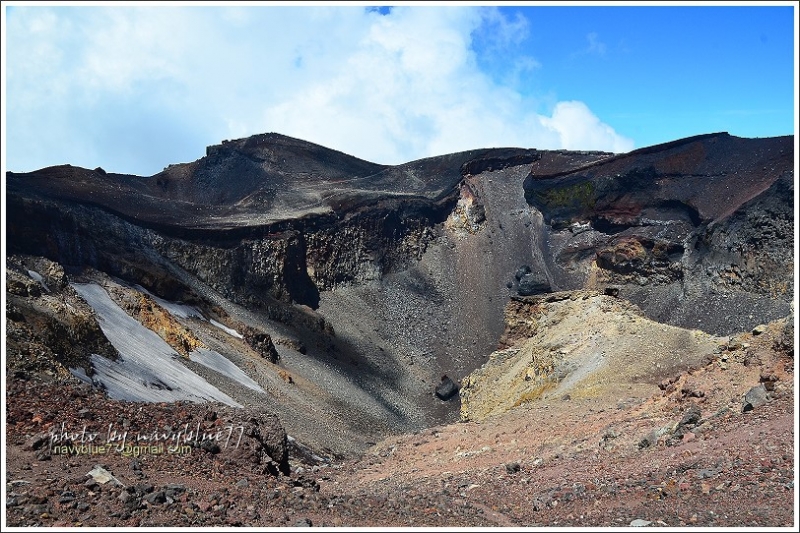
column 133, row 89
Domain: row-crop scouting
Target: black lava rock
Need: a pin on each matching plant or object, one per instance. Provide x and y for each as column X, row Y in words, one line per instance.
column 521, row 271
column 531, row 284
column 446, row 389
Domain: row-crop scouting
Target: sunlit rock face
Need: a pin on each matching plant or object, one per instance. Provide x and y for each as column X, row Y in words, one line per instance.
column 578, row 344
column 344, row 290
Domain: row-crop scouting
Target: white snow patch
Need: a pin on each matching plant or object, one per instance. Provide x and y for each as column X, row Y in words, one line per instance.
column 38, row 277
column 148, row 369
column 80, row 373
column 219, row 363
column 186, row 311
column 226, row 329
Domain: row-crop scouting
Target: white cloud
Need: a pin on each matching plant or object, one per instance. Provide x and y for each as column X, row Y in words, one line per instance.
column 134, row 89
column 579, row 129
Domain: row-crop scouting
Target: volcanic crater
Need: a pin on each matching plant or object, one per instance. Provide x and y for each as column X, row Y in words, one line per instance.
column 419, row 338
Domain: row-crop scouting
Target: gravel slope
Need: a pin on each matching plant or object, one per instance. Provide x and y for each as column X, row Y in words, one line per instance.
column 683, row 454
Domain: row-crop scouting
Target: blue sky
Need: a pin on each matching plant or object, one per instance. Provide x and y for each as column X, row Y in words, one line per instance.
column 133, row 89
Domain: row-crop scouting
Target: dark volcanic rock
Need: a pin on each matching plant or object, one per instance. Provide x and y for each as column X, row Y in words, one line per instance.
column 156, row 498
column 611, row 291
column 500, row 159
column 446, row 389
column 521, row 271
column 261, row 343
column 257, row 440
column 755, row 397
column 691, row 418
column 531, row 284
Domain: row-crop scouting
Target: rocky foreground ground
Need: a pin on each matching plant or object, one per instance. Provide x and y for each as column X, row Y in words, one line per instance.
column 711, row 446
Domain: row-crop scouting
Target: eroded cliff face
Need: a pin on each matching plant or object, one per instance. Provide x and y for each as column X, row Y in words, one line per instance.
column 356, row 286
column 751, row 250
column 692, row 231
